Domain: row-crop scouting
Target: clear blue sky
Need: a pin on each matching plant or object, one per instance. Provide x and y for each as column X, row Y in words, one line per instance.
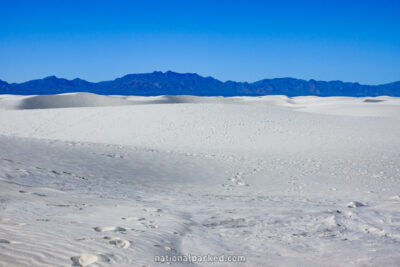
column 229, row 40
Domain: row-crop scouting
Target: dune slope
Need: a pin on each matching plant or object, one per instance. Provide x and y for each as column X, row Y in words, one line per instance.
column 92, row 180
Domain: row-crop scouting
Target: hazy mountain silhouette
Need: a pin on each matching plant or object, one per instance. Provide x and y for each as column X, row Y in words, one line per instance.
column 172, row 83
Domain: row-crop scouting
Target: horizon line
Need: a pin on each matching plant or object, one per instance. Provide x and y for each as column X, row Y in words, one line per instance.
column 194, row 73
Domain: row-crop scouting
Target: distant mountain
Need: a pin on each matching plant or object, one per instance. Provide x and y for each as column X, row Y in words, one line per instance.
column 172, row 83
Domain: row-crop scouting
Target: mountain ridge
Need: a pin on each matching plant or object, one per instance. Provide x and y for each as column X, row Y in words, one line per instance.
column 173, row 83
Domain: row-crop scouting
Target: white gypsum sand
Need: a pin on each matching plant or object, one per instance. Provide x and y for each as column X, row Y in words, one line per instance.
column 90, row 180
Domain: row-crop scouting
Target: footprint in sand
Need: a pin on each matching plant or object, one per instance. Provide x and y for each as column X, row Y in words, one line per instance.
column 396, row 197
column 149, row 225
column 241, row 183
column 133, row 218
column 9, row 242
column 355, row 204
column 39, row 194
column 22, row 171
column 166, row 248
column 115, row 156
column 62, row 205
column 34, row 193
column 118, row 242
column 376, row 231
column 129, row 218
column 84, row 259
column 227, row 187
column 9, row 222
column 109, row 228
column 152, row 210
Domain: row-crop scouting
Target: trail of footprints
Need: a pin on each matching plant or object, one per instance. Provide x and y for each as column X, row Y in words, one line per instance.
column 238, row 178
column 32, row 193
column 50, row 171
column 87, row 259
column 61, row 173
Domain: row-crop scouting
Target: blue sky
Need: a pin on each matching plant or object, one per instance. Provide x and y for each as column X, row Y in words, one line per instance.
column 229, row 40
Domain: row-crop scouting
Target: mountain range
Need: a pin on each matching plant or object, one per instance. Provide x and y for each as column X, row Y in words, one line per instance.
column 172, row 83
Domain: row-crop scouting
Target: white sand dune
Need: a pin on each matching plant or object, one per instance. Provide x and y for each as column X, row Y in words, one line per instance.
column 92, row 100
column 63, row 101
column 366, row 106
column 90, row 180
